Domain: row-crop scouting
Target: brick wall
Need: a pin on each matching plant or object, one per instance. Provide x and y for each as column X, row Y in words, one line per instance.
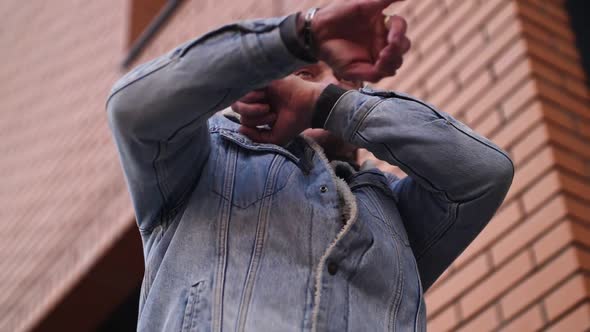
column 62, row 197
column 508, row 68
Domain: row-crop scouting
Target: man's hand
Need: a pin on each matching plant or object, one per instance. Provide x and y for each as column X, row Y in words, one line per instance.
column 353, row 38
column 286, row 106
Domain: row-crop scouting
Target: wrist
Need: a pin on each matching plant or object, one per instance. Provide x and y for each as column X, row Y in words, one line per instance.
column 324, row 103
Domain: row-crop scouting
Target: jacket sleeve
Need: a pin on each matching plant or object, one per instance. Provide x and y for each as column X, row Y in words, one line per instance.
column 456, row 180
column 158, row 111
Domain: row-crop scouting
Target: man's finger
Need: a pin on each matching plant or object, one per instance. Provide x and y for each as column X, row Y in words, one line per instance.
column 250, row 110
column 390, row 59
column 397, row 29
column 253, row 121
column 405, row 45
column 254, row 96
column 257, row 135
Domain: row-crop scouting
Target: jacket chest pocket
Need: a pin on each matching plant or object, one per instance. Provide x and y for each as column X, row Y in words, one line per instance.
column 246, row 176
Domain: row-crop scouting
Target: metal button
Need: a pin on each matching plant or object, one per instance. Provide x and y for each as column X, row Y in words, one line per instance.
column 323, row 189
column 332, row 268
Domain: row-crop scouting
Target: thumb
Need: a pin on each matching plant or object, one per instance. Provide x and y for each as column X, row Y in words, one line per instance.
column 257, row 135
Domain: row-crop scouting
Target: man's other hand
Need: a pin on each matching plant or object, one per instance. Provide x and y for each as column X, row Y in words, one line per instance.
column 353, row 38
column 286, row 106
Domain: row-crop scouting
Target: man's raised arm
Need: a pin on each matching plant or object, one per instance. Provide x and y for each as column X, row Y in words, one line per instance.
column 457, row 178
column 158, row 111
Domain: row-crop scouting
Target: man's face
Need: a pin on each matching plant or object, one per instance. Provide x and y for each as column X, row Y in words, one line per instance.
column 334, row 147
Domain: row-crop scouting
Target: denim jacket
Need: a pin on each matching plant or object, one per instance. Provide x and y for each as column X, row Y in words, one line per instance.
column 241, row 236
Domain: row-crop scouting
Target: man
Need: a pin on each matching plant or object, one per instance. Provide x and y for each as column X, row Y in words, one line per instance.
column 248, row 225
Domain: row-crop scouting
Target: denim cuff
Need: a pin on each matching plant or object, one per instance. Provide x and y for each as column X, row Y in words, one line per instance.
column 289, row 35
column 324, row 105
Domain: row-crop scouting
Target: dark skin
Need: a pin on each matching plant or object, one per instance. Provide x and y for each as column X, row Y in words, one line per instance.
column 354, row 44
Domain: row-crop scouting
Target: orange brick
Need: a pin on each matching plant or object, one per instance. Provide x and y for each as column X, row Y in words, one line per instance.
column 529, row 229
column 530, row 320
column 584, row 128
column 566, row 296
column 508, row 57
column 577, row 87
column 468, row 95
column 525, row 146
column 578, row 320
column 427, row 65
column 485, row 321
column 577, row 209
column 501, row 18
column 491, row 51
column 505, row 219
column 454, row 17
column 483, row 13
column 518, row 125
column 426, row 7
column 583, row 255
column 559, row 237
column 529, row 13
column 457, row 283
column 555, row 9
column 575, row 186
column 444, row 321
column 541, row 281
column 489, row 289
column 489, row 123
column 530, row 171
column 496, row 94
column 441, row 95
column 426, row 20
column 559, row 116
column 569, row 141
column 521, row 97
column 580, row 233
column 564, row 100
column 540, row 35
column 542, row 190
column 469, row 49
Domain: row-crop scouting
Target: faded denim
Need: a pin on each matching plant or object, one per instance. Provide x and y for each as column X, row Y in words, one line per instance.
column 256, row 237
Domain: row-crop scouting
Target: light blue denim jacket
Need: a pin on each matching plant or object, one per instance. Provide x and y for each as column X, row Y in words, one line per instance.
column 245, row 236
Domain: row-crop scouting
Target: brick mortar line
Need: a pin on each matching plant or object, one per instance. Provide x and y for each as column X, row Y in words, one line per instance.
column 567, row 149
column 575, row 117
column 527, row 6
column 462, row 41
column 498, row 296
column 566, row 313
column 541, row 77
column 517, row 62
column 581, row 223
column 496, row 267
column 537, row 40
column 540, row 302
column 457, row 22
column 516, row 199
column 543, row 9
